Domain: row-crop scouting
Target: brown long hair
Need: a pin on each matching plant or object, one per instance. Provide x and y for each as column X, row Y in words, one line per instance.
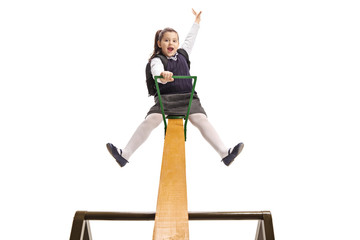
column 158, row 36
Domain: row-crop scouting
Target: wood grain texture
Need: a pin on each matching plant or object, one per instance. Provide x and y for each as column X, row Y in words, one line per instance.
column 171, row 219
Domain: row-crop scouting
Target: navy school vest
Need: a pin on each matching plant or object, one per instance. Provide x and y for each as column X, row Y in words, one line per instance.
column 178, row 68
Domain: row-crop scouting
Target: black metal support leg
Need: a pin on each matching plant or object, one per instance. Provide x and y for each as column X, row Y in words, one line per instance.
column 265, row 230
column 81, row 228
column 268, row 225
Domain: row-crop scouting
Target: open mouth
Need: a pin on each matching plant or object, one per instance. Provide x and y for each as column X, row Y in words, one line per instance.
column 170, row 49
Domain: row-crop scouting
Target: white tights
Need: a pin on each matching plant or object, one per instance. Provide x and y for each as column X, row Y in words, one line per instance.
column 199, row 120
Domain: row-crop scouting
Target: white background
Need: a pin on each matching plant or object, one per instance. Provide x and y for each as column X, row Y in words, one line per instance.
column 281, row 76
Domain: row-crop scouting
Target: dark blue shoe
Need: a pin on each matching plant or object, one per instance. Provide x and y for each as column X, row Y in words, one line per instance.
column 233, row 154
column 114, row 152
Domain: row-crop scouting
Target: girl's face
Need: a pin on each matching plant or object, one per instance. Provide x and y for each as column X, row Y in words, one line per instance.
column 169, row 43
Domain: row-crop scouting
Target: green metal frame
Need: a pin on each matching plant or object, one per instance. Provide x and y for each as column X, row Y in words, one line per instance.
column 190, row 101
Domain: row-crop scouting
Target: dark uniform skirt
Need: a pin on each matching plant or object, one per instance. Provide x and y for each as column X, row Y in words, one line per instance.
column 177, row 104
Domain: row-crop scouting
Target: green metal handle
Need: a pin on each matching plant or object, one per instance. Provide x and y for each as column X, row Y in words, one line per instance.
column 190, row 101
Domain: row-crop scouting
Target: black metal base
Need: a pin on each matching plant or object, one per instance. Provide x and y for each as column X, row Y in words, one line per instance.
column 81, row 226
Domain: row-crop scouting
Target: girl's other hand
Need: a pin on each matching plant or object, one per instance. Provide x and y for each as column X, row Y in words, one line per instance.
column 197, row 15
column 167, row 77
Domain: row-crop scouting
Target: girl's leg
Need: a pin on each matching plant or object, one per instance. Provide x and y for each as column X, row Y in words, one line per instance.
column 200, row 121
column 141, row 134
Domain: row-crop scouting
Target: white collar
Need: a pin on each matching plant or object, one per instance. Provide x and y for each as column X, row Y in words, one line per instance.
column 173, row 57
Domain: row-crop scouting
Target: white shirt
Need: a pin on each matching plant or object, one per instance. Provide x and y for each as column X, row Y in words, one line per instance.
column 156, row 65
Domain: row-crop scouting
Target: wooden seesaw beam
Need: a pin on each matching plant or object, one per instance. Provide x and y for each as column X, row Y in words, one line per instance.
column 171, row 219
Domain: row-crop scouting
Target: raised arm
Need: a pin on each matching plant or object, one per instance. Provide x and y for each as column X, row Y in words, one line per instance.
column 190, row 38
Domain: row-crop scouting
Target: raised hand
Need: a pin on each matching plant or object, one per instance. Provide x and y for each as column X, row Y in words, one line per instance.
column 197, row 15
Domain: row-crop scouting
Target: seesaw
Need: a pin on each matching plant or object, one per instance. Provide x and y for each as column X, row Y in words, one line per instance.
column 172, row 216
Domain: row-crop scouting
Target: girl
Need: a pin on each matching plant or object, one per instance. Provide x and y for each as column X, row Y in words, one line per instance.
column 175, row 94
